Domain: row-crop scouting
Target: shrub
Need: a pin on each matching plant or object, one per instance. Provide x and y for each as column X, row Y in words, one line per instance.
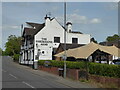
column 16, row 57
column 104, row 69
column 93, row 68
column 57, row 63
column 76, row 65
column 69, row 64
column 41, row 62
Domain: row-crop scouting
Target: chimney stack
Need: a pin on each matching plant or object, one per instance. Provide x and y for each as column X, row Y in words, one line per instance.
column 47, row 20
column 69, row 26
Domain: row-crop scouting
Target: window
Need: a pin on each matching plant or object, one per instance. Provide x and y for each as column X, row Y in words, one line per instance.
column 56, row 39
column 74, row 40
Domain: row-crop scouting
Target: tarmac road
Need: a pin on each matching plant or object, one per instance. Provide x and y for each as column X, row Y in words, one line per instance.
column 20, row 76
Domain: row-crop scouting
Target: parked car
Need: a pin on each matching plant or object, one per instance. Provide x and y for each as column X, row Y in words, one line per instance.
column 116, row 61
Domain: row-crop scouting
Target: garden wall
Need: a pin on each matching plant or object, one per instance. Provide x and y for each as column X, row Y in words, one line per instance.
column 75, row 74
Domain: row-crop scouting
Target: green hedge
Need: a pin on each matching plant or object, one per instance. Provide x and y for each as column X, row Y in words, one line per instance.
column 69, row 64
column 16, row 57
column 104, row 69
column 94, row 68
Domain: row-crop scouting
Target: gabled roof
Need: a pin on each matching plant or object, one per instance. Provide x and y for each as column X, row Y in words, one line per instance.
column 36, row 25
column 33, row 31
column 28, row 31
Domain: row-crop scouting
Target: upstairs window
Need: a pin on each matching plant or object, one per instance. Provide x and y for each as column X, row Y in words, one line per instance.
column 74, row 40
column 56, row 39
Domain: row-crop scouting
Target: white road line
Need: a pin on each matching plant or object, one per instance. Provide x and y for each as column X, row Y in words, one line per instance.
column 28, row 84
column 13, row 76
column 4, row 70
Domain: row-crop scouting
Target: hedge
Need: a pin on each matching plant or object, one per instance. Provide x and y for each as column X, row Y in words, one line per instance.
column 69, row 64
column 16, row 57
column 104, row 69
column 93, row 68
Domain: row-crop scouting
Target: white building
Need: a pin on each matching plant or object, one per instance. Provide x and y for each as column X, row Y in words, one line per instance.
column 39, row 40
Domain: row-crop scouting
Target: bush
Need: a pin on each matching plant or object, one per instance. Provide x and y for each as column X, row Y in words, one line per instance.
column 94, row 68
column 104, row 69
column 52, row 63
column 16, row 57
column 69, row 64
column 76, row 65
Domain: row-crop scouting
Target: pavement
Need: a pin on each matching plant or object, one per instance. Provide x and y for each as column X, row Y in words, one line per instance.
column 15, row 75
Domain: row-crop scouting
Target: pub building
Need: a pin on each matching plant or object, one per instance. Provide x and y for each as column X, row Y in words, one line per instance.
column 39, row 41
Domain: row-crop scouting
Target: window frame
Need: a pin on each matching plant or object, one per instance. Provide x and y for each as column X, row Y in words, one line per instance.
column 75, row 40
column 58, row 40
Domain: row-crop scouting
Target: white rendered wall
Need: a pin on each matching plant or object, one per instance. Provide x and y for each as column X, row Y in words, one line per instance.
column 54, row 29
column 82, row 38
column 51, row 30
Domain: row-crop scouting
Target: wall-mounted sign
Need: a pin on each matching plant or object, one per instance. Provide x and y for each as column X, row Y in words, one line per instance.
column 44, row 40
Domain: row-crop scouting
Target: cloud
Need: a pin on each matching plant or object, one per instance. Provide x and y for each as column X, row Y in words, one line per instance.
column 78, row 19
column 14, row 27
column 6, row 27
column 75, row 18
column 60, row 19
column 76, row 11
column 0, row 27
column 112, row 6
column 95, row 21
column 55, row 8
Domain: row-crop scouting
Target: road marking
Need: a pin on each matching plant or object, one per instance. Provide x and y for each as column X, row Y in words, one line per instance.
column 4, row 70
column 13, row 76
column 28, row 84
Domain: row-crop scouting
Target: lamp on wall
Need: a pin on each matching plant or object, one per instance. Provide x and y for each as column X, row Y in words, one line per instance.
column 37, row 45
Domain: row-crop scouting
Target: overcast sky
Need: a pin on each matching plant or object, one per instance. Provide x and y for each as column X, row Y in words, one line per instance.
column 99, row 19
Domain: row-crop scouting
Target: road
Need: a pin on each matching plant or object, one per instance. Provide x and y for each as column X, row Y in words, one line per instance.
column 20, row 76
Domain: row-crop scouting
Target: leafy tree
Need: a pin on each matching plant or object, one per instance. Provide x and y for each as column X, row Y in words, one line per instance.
column 0, row 51
column 93, row 40
column 13, row 45
column 115, row 37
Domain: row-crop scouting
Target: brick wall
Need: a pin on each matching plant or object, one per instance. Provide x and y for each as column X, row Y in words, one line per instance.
column 105, row 80
column 70, row 73
column 53, row 70
column 74, row 74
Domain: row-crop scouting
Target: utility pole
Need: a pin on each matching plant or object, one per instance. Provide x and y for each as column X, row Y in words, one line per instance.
column 21, row 29
column 65, row 40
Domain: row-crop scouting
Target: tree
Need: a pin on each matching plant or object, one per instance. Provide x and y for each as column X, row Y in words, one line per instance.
column 93, row 40
column 0, row 51
column 115, row 37
column 13, row 45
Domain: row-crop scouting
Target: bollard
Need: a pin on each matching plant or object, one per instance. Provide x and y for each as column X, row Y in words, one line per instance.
column 35, row 65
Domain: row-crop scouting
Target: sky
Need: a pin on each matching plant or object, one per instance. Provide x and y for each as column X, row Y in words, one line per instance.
column 99, row 19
